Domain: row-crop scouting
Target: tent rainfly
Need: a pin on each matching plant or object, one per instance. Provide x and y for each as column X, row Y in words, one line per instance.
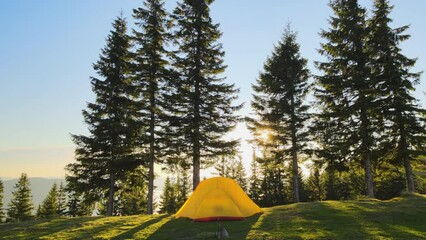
column 217, row 199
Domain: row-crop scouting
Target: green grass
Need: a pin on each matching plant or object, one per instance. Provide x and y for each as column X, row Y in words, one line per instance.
column 399, row 218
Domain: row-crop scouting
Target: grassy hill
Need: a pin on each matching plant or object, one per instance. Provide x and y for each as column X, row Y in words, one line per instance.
column 399, row 218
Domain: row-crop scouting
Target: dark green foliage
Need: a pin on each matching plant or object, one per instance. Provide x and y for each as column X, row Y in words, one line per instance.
column 175, row 193
column 132, row 193
column 343, row 185
column 390, row 183
column 279, row 104
column 151, row 76
column 182, row 186
column 203, row 112
column 20, row 207
column 255, row 182
column 315, row 185
column 49, row 207
column 168, row 198
column 76, row 204
column 62, row 200
column 404, row 135
column 419, row 170
column 110, row 150
column 346, row 93
column 1, row 201
column 272, row 188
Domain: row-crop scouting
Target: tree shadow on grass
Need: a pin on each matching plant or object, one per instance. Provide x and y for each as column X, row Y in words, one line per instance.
column 40, row 228
column 393, row 221
column 130, row 234
column 188, row 229
column 318, row 220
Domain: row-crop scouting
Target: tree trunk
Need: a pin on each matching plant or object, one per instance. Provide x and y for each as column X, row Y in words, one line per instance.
column 403, row 151
column 365, row 147
column 330, row 193
column 368, row 175
column 110, row 206
column 409, row 175
column 294, row 153
column 150, row 209
column 196, row 146
column 295, row 178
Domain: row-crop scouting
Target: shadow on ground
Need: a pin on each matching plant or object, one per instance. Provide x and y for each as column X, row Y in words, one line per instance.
column 186, row 229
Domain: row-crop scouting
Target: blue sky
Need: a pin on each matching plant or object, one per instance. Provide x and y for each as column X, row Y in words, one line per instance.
column 47, row 48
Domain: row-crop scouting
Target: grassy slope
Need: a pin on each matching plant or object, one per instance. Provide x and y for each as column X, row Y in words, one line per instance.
column 400, row 218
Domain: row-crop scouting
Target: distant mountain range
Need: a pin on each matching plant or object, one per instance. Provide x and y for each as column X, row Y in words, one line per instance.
column 39, row 189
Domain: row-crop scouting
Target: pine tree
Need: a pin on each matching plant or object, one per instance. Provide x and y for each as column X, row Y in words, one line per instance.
column 182, row 186
column 168, row 198
column 403, row 134
column 49, row 207
column 204, row 110
column 346, row 91
column 254, row 181
column 151, row 74
column 76, row 205
column 112, row 147
column 21, row 206
column 132, row 193
column 38, row 212
column 62, row 200
column 279, row 102
column 1, row 201
column 221, row 166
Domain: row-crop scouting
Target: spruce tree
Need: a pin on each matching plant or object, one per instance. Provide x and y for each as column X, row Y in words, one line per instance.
column 111, row 149
column 76, row 205
column 132, row 193
column 21, row 206
column 62, row 200
column 182, row 186
column 151, row 74
column 404, row 136
column 204, row 110
column 279, row 103
column 49, row 207
column 346, row 91
column 1, row 201
column 168, row 198
column 254, row 182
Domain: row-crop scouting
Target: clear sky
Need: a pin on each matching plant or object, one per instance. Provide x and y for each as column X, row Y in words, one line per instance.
column 47, row 48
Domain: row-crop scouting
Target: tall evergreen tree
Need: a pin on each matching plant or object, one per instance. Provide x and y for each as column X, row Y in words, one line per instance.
column 404, row 133
column 1, row 201
column 204, row 110
column 346, row 90
column 151, row 74
column 62, row 200
column 21, row 206
column 279, row 102
column 49, row 207
column 110, row 150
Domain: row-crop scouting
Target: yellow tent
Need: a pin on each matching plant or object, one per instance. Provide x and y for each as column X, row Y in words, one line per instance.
column 218, row 198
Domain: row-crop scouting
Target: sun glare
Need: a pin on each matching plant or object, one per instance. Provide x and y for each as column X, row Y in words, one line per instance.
column 265, row 135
